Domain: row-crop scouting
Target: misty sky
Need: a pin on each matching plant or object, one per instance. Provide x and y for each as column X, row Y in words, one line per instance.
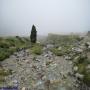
column 49, row 16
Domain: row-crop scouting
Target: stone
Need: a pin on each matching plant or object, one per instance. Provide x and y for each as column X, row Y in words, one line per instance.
column 23, row 88
column 48, row 62
column 50, row 46
column 78, row 50
column 70, row 62
column 34, row 73
column 38, row 83
column 59, row 48
column 88, row 67
column 37, row 60
column 15, row 82
column 67, row 58
column 46, row 55
column 80, row 76
column 55, row 81
column 75, row 68
column 44, row 78
column 26, row 61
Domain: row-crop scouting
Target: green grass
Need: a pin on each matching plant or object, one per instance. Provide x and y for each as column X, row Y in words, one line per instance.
column 62, row 39
column 82, row 64
column 4, row 54
column 9, row 45
column 82, row 68
column 4, row 73
column 36, row 49
column 57, row 52
column 87, row 79
column 64, row 50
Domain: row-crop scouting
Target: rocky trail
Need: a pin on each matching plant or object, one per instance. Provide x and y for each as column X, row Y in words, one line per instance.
column 42, row 72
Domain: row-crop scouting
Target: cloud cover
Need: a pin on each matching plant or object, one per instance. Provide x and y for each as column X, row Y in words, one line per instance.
column 49, row 16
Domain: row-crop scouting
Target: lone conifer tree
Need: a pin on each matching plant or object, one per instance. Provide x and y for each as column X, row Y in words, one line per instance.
column 33, row 35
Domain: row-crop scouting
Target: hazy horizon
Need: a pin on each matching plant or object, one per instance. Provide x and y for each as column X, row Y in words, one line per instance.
column 49, row 16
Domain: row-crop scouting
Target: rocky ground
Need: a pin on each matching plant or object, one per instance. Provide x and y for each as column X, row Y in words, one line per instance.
column 40, row 72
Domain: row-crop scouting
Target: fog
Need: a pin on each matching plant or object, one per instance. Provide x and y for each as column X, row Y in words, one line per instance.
column 49, row 16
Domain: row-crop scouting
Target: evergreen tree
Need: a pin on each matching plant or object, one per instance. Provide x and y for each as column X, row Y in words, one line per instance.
column 33, row 35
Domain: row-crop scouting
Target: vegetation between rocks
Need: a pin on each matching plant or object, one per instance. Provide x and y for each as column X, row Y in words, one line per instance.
column 9, row 45
column 36, row 49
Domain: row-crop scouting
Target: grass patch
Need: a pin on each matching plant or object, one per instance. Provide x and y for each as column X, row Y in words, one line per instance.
column 36, row 49
column 63, row 51
column 57, row 52
column 8, row 45
column 82, row 68
column 4, row 54
column 4, row 73
column 87, row 79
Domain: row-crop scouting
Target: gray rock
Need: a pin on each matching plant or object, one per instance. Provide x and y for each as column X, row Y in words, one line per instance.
column 75, row 68
column 80, row 76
